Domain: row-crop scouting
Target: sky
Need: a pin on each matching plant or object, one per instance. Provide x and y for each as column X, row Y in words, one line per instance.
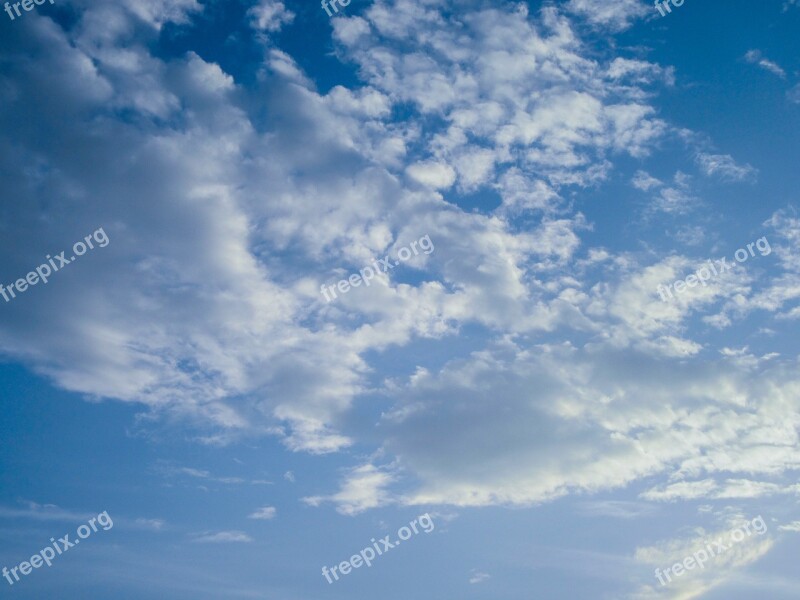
column 278, row 285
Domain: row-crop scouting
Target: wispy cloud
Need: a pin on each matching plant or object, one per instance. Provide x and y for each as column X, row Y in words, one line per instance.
column 264, row 513
column 793, row 526
column 222, row 537
column 756, row 58
column 724, row 167
column 478, row 576
column 619, row 509
column 154, row 524
column 43, row 512
column 794, row 94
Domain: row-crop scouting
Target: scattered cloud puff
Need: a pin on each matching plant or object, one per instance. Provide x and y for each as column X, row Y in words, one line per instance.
column 270, row 15
column 265, row 513
column 724, row 167
column 478, row 576
column 793, row 526
column 363, row 488
column 645, row 182
column 755, row 57
column 435, row 175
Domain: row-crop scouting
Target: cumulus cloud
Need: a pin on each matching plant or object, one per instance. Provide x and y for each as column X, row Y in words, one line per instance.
column 435, row 175
column 270, row 15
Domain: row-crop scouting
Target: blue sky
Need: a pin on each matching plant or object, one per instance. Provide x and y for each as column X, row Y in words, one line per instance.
column 567, row 430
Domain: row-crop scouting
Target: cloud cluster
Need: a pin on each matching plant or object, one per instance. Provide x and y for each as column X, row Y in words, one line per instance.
column 229, row 204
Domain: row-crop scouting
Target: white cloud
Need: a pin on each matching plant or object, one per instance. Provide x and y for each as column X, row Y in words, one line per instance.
column 265, row 513
column 159, row 12
column 793, row 526
column 433, row 174
column 755, row 57
column 614, row 14
column 720, row 568
column 363, row 488
column 270, row 15
column 222, row 537
column 725, row 167
column 204, row 308
column 645, row 182
column 478, row 576
column 708, row 488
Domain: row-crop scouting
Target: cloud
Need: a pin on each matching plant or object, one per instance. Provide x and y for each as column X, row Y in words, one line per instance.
column 154, row 524
column 794, row 94
column 618, row 509
column 270, row 15
column 43, row 512
column 265, row 513
column 478, row 576
column 615, row 15
column 204, row 310
column 212, row 330
column 721, row 568
column 157, row 13
column 708, row 488
column 435, row 175
column 171, row 471
column 222, row 537
column 645, row 182
column 724, row 167
column 755, row 57
column 362, row 489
